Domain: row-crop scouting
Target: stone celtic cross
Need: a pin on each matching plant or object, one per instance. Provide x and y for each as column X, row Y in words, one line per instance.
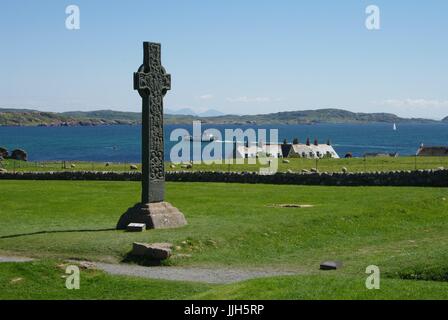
column 152, row 83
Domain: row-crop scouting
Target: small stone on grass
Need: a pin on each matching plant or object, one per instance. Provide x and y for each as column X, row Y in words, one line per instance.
column 87, row 265
column 154, row 251
column 331, row 265
column 16, row 280
column 291, row 205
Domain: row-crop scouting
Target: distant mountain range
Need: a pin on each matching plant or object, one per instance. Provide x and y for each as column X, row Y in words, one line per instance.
column 190, row 112
column 27, row 117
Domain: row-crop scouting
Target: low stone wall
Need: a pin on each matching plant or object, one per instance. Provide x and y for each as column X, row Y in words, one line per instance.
column 422, row 178
column 72, row 175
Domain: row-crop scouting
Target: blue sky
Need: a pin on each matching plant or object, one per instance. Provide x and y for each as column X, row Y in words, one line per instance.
column 236, row 56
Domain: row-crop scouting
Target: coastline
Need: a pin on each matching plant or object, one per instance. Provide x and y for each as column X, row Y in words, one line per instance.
column 206, row 122
column 22, row 117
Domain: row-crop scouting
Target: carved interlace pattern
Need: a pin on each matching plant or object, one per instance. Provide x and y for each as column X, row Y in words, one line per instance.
column 152, row 81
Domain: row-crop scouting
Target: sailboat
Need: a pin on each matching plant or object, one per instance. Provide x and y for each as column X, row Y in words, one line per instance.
column 395, row 127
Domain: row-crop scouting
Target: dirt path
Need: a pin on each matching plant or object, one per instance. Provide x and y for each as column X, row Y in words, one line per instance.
column 208, row 275
column 14, row 259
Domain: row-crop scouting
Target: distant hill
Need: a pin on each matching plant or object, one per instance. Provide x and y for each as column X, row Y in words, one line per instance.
column 445, row 119
column 314, row 116
column 16, row 110
column 184, row 111
column 211, row 113
column 26, row 117
column 106, row 115
column 190, row 112
column 29, row 118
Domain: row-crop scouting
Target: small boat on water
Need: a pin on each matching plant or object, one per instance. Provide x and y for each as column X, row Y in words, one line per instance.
column 204, row 138
column 395, row 126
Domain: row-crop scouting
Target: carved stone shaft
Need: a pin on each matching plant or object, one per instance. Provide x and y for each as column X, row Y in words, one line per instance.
column 152, row 83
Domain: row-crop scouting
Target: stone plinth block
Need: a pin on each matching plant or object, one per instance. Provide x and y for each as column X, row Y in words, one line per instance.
column 157, row 215
column 154, row 251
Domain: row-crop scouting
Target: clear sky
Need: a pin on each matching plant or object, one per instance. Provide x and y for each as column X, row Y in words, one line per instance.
column 236, row 56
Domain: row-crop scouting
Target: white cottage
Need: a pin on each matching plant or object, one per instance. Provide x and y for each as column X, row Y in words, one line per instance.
column 252, row 151
column 314, row 151
column 311, row 151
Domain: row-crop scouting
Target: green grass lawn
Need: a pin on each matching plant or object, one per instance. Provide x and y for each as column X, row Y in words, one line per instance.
column 403, row 230
column 295, row 164
column 46, row 280
column 326, row 287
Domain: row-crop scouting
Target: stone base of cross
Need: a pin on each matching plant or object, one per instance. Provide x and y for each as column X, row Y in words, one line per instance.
column 152, row 83
column 157, row 215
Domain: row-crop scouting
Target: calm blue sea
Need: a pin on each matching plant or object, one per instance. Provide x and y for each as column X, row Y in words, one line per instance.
column 122, row 143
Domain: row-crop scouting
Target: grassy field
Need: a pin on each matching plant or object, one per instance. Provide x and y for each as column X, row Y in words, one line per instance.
column 403, row 230
column 295, row 164
column 326, row 287
column 46, row 280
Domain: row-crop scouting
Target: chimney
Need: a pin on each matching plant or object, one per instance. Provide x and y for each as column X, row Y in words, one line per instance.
column 328, row 142
column 316, row 143
column 307, row 141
